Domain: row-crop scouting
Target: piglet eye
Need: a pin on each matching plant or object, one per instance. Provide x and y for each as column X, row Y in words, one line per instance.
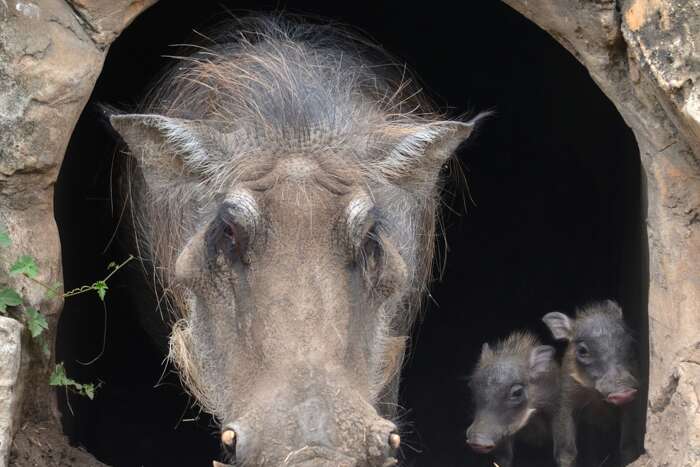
column 517, row 391
column 582, row 351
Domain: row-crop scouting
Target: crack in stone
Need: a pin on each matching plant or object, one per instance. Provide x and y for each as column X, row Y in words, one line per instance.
column 69, row 28
column 84, row 21
column 667, row 392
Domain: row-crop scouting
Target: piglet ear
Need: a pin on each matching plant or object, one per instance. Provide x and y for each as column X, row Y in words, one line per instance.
column 541, row 357
column 486, row 351
column 559, row 324
column 613, row 308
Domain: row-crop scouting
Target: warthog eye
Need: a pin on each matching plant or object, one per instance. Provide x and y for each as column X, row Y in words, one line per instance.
column 371, row 251
column 225, row 236
column 370, row 245
column 230, row 233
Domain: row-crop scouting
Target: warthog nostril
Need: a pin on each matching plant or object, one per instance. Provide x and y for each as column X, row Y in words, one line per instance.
column 394, row 440
column 228, row 437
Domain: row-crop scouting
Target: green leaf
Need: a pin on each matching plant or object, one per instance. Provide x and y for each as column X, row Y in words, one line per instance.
column 53, row 291
column 58, row 376
column 89, row 390
column 36, row 323
column 9, row 297
column 5, row 240
column 25, row 265
column 101, row 289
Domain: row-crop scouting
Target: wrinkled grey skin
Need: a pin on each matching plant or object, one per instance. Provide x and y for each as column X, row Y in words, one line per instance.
column 514, row 386
column 599, row 374
column 285, row 191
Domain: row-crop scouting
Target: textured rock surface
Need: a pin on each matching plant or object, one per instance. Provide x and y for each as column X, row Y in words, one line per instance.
column 51, row 53
column 645, row 55
column 10, row 356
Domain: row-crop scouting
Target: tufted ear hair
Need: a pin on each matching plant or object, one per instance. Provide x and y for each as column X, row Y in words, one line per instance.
column 541, row 358
column 486, row 352
column 559, row 324
column 417, row 151
column 178, row 145
column 613, row 308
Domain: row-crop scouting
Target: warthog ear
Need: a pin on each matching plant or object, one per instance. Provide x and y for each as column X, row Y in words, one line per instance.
column 540, row 359
column 417, row 152
column 559, row 324
column 170, row 143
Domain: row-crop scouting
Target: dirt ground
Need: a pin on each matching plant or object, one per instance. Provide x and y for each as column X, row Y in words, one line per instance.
column 40, row 445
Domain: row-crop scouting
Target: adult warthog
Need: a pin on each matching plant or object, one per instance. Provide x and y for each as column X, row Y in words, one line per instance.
column 285, row 190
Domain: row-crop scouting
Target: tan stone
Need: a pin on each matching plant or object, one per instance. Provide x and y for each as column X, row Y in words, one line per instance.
column 10, row 356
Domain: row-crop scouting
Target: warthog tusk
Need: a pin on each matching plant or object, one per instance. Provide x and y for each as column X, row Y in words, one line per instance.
column 394, row 440
column 219, row 464
column 228, row 437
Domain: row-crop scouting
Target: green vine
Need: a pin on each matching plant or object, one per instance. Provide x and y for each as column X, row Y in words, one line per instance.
column 35, row 322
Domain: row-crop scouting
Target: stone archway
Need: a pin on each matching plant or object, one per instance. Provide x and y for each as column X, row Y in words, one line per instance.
column 641, row 53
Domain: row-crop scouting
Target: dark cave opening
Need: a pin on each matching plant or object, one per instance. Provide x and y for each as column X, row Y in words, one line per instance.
column 550, row 218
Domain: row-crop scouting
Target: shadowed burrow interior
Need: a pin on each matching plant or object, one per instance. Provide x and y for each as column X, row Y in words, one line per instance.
column 545, row 214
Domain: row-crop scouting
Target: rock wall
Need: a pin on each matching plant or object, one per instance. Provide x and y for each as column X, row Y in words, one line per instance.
column 10, row 356
column 645, row 56
column 642, row 53
column 51, row 53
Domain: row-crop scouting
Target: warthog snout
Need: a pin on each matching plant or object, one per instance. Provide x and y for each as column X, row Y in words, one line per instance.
column 377, row 448
column 313, row 426
column 618, row 386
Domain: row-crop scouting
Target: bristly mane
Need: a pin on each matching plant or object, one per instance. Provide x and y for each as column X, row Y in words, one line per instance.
column 516, row 344
column 604, row 307
column 276, row 81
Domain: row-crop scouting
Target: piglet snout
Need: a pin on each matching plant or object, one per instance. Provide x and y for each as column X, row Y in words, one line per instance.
column 480, row 443
column 622, row 397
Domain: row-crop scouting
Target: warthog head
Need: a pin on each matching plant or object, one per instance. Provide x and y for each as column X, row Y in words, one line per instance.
column 286, row 193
